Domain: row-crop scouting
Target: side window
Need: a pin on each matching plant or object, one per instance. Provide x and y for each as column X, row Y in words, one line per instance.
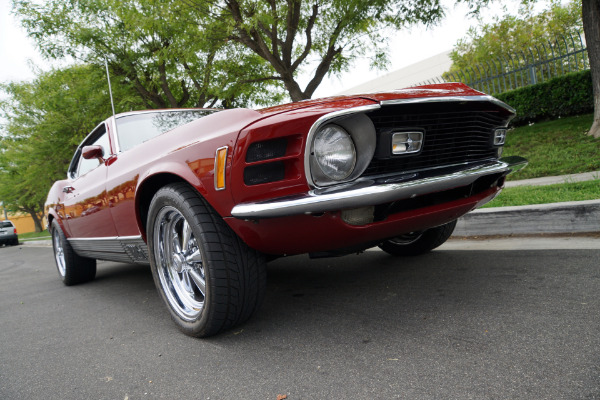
column 86, row 166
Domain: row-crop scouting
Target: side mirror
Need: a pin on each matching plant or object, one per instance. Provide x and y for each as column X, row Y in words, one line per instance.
column 94, row 151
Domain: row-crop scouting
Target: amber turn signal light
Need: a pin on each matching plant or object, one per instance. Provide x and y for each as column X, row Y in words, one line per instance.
column 220, row 160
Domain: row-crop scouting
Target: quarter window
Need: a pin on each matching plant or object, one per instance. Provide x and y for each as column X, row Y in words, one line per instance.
column 86, row 166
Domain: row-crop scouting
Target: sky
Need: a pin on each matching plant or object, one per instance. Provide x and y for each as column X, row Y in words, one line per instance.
column 19, row 57
column 15, row 48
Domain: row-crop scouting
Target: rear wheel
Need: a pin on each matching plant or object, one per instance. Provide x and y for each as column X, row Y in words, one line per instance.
column 72, row 268
column 415, row 243
column 208, row 278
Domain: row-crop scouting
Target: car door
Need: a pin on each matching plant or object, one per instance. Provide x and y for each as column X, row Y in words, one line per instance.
column 86, row 205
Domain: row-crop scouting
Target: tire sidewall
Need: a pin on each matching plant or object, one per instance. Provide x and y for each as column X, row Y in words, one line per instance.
column 165, row 198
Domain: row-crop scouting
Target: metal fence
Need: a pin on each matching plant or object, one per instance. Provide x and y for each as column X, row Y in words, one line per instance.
column 540, row 63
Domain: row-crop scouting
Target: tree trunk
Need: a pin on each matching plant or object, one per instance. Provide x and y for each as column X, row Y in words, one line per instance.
column 293, row 88
column 591, row 27
column 37, row 221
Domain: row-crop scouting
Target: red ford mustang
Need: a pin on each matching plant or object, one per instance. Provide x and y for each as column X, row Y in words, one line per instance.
column 206, row 196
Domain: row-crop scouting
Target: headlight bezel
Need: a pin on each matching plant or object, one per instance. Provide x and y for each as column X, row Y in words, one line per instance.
column 361, row 130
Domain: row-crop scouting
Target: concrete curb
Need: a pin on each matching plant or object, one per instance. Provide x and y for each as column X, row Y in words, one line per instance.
column 553, row 180
column 555, row 218
column 36, row 243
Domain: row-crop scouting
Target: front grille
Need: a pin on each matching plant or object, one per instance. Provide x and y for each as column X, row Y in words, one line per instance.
column 455, row 133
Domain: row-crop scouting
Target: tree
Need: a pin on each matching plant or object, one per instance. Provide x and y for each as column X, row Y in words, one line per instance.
column 518, row 33
column 514, row 34
column 46, row 120
column 591, row 27
column 295, row 35
column 149, row 44
column 291, row 34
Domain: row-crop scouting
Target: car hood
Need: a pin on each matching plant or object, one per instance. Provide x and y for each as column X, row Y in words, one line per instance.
column 438, row 90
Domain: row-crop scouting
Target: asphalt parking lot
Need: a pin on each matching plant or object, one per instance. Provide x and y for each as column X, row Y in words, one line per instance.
column 499, row 319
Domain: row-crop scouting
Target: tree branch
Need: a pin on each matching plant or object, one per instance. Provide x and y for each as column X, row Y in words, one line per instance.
column 308, row 46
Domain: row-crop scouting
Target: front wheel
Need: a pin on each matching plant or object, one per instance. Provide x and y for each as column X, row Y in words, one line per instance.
column 72, row 268
column 208, row 278
column 415, row 243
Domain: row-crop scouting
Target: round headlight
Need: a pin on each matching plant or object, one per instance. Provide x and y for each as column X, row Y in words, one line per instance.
column 334, row 152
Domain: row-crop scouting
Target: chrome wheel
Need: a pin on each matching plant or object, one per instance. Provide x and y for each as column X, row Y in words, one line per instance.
column 415, row 243
column 72, row 268
column 59, row 253
column 208, row 278
column 180, row 265
column 407, row 238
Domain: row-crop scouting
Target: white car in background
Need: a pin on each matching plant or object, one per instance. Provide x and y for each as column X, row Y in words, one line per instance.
column 8, row 233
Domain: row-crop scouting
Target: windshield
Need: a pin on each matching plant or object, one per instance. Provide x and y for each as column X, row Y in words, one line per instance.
column 136, row 129
column 6, row 224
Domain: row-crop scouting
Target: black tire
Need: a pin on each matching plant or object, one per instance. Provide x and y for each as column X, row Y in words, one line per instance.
column 15, row 242
column 209, row 279
column 72, row 268
column 416, row 243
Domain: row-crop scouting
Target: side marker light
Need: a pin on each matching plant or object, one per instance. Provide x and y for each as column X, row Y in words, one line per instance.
column 220, row 161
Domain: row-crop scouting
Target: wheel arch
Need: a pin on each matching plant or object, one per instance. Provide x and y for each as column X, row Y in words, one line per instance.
column 52, row 215
column 146, row 191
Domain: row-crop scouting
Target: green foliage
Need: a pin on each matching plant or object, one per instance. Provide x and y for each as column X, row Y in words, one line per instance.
column 526, row 195
column 514, row 34
column 563, row 96
column 222, row 52
column 157, row 47
column 46, row 120
column 312, row 38
column 31, row 236
column 554, row 148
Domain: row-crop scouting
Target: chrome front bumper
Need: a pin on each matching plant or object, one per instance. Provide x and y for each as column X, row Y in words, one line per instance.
column 369, row 193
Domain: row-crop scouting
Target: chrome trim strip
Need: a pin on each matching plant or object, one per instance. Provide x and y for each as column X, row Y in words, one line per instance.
column 139, row 237
column 113, row 123
column 370, row 193
column 443, row 99
column 322, row 120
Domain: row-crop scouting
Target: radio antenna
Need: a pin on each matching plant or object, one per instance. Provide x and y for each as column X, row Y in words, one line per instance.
column 112, row 103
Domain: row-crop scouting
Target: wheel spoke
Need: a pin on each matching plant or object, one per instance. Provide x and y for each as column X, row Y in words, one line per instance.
column 195, row 257
column 198, row 280
column 187, row 282
column 175, row 238
column 186, row 233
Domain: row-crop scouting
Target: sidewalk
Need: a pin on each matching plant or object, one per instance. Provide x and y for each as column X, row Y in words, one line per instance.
column 554, row 218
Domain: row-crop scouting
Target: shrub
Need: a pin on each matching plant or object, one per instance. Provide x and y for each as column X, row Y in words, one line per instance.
column 563, row 96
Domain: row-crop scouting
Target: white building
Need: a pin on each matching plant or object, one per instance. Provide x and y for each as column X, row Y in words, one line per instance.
column 412, row 75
